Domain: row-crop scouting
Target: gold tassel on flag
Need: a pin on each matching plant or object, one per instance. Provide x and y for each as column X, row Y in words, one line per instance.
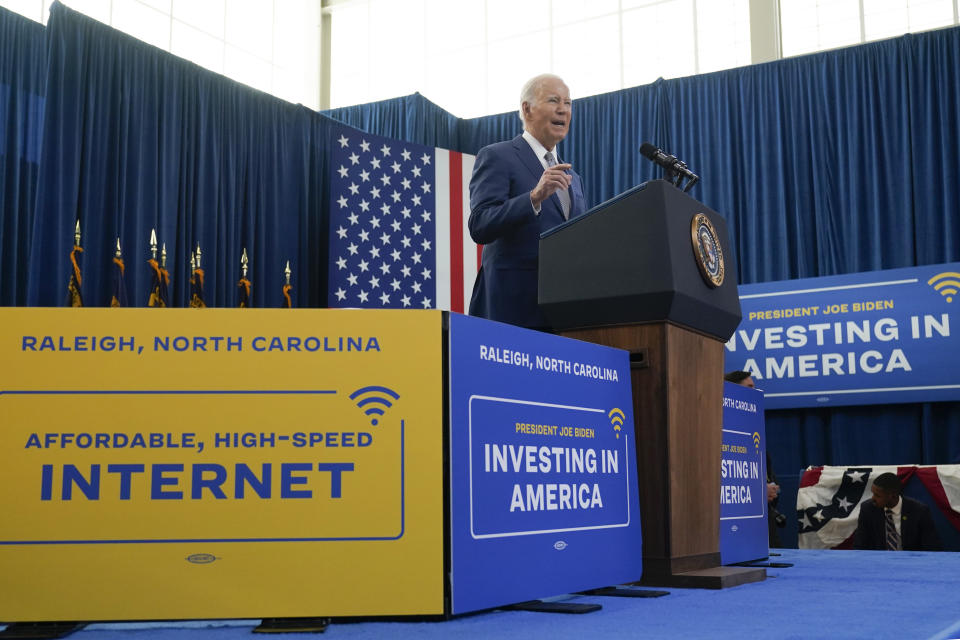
column 287, row 303
column 196, row 281
column 74, row 295
column 244, row 284
column 164, row 277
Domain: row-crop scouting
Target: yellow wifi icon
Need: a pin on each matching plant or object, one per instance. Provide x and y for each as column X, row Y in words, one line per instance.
column 756, row 440
column 616, row 419
column 947, row 284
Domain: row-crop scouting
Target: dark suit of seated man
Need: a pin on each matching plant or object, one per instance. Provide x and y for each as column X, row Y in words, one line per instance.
column 908, row 528
column 517, row 192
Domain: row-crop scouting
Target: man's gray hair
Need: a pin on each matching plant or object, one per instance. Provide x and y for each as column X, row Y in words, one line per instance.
column 532, row 87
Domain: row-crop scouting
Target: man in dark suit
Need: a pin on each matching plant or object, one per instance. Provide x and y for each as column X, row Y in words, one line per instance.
column 518, row 190
column 893, row 522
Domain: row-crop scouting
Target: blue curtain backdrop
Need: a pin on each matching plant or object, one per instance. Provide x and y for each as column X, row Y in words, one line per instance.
column 137, row 139
column 830, row 163
column 22, row 90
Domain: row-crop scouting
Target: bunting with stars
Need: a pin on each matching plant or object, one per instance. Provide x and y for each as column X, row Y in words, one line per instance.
column 398, row 225
column 829, row 499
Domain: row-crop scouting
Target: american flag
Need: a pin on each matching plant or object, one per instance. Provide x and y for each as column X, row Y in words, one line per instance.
column 829, row 499
column 398, row 225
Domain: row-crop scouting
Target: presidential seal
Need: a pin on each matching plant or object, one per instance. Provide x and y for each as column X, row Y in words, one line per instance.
column 706, row 249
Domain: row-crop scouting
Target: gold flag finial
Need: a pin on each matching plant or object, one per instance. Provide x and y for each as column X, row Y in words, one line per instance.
column 163, row 256
column 286, row 272
column 76, row 234
column 118, row 254
column 198, row 255
column 243, row 262
column 153, row 243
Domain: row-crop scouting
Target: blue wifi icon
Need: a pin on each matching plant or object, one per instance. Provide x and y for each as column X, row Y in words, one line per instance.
column 374, row 400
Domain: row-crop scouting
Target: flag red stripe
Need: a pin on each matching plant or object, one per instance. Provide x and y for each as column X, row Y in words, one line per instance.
column 931, row 480
column 456, row 232
column 810, row 477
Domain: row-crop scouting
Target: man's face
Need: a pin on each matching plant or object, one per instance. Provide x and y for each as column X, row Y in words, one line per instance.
column 884, row 499
column 548, row 117
column 748, row 382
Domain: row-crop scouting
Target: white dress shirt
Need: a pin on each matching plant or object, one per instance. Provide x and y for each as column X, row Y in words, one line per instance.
column 539, row 150
column 897, row 511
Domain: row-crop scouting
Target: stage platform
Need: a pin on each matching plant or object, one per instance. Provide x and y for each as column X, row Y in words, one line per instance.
column 826, row 594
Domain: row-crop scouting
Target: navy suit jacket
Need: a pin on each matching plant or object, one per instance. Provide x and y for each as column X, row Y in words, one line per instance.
column 917, row 531
column 502, row 219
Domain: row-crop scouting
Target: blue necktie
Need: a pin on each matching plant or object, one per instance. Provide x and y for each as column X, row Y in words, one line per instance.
column 893, row 538
column 563, row 194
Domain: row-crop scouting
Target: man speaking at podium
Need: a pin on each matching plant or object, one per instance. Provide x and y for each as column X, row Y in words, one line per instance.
column 519, row 189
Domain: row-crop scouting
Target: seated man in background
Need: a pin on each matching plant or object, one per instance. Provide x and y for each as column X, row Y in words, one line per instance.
column 893, row 522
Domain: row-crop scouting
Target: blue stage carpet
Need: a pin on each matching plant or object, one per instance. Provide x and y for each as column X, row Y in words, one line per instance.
column 826, row 594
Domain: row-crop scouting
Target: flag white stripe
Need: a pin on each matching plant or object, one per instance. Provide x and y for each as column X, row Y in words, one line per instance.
column 442, row 213
column 950, row 480
column 469, row 247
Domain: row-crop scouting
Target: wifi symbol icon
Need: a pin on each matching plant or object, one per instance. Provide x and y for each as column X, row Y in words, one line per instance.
column 756, row 440
column 616, row 419
column 946, row 283
column 374, row 401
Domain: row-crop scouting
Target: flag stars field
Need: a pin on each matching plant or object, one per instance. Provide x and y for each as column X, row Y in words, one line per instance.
column 410, row 181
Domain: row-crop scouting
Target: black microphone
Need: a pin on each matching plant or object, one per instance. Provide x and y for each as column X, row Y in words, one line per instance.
column 671, row 164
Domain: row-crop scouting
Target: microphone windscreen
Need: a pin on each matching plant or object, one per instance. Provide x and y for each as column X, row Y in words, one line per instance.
column 648, row 150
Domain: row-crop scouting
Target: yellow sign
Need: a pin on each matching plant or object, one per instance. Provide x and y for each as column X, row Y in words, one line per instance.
column 220, row 463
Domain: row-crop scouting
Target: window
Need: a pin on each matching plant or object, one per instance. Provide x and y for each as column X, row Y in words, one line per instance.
column 271, row 45
column 472, row 56
column 816, row 25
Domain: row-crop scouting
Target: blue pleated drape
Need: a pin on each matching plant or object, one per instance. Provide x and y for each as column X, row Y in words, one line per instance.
column 22, row 96
column 831, row 163
column 410, row 117
column 137, row 139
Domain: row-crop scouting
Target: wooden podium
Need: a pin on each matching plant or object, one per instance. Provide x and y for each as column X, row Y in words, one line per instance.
column 650, row 272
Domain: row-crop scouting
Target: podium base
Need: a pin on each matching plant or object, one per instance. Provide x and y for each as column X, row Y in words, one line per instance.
column 625, row 592
column 712, row 578
column 292, row 625
column 40, row 630
column 541, row 606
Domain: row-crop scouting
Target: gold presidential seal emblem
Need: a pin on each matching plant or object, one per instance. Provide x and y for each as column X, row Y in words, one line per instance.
column 706, row 249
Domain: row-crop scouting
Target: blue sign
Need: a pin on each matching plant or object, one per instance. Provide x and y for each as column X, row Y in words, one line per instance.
column 865, row 338
column 543, row 466
column 743, row 476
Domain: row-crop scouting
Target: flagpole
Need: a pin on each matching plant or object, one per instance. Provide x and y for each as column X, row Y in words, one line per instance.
column 287, row 302
column 74, row 293
column 119, row 296
column 196, row 280
column 156, row 298
column 164, row 277
column 244, row 284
